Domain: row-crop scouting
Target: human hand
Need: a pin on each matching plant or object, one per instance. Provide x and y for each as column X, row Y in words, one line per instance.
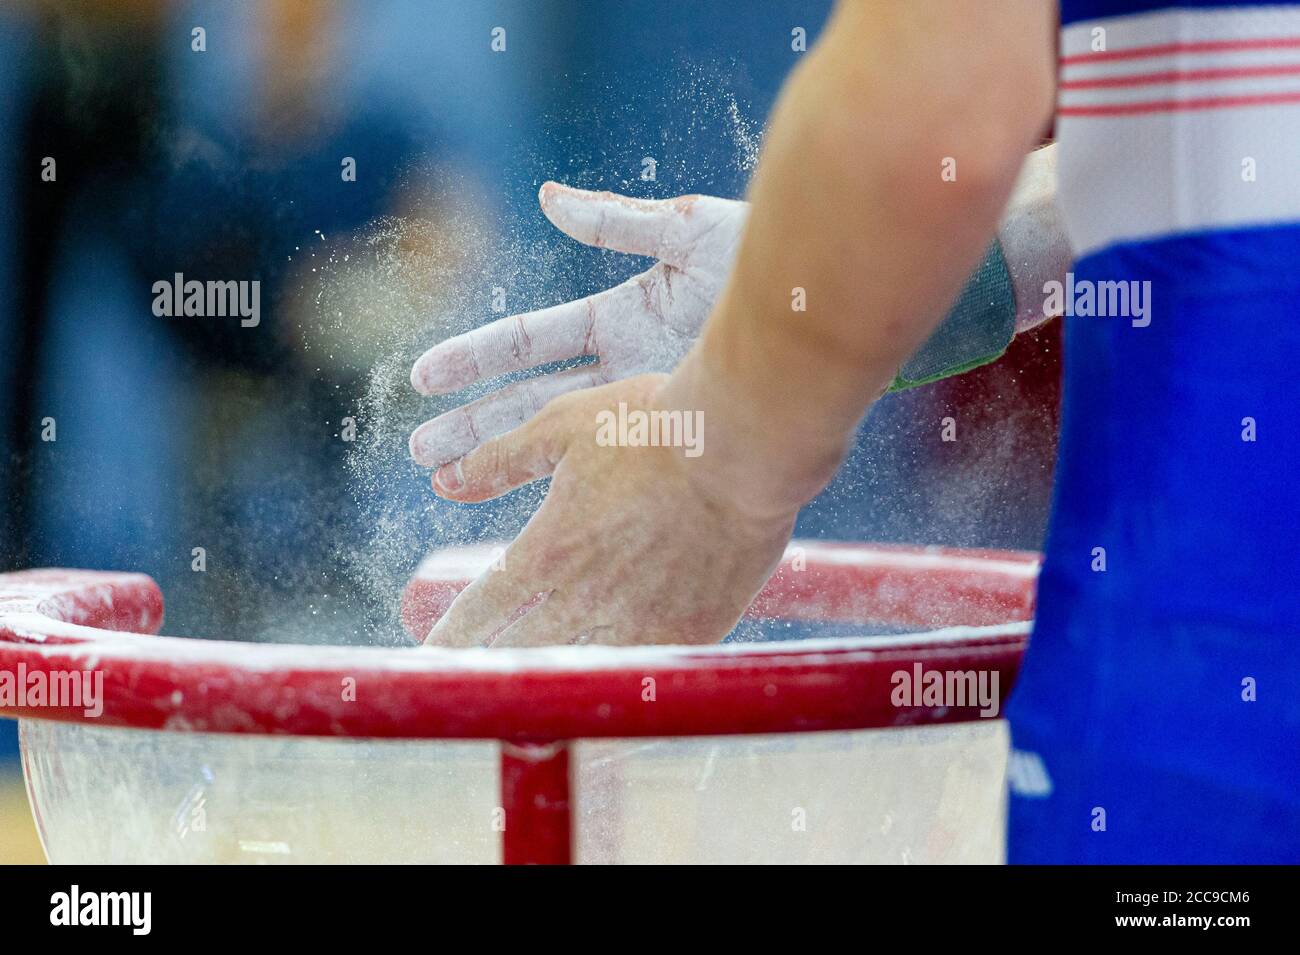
column 646, row 324
column 630, row 545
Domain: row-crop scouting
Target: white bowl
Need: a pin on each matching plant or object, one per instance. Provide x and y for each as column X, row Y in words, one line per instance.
column 791, row 751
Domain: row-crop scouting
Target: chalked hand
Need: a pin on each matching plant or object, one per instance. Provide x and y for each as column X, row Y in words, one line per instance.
column 645, row 324
column 630, row 485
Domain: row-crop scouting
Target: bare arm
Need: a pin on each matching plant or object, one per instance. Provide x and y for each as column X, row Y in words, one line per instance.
column 853, row 162
column 669, row 541
column 648, row 323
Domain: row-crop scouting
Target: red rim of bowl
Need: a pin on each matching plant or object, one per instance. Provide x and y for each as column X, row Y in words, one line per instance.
column 92, row 628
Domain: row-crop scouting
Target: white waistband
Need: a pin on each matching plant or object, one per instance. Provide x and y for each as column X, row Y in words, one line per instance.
column 1179, row 121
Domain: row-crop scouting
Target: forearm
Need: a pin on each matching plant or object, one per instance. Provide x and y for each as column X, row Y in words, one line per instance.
column 849, row 205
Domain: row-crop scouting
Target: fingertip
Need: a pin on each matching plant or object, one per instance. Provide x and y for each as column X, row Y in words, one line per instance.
column 419, row 378
column 431, row 638
column 553, row 198
column 414, row 444
column 448, row 634
column 449, row 480
column 432, row 445
column 436, row 637
column 436, row 372
column 554, row 194
column 444, row 368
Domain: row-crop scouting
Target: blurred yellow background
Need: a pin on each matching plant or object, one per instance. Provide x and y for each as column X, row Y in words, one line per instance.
column 18, row 842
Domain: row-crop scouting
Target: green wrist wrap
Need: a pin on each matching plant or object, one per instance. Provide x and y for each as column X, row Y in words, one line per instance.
column 977, row 330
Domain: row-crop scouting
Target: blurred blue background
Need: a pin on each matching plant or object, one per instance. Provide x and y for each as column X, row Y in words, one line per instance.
column 225, row 164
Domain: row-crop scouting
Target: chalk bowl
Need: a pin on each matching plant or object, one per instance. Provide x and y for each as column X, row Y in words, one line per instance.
column 774, row 750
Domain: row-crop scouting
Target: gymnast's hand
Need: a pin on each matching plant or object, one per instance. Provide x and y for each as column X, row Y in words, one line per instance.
column 633, row 544
column 646, row 324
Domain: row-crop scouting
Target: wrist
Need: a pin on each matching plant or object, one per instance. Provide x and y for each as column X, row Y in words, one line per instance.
column 1033, row 239
column 760, row 452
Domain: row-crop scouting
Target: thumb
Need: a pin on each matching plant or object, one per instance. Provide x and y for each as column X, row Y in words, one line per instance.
column 528, row 453
column 651, row 227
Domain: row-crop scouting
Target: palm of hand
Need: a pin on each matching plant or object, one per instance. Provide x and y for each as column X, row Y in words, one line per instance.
column 645, row 324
